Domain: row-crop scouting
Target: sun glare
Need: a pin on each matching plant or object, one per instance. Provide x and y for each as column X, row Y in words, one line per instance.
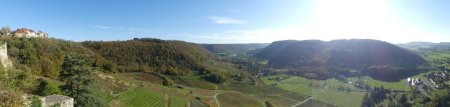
column 371, row 19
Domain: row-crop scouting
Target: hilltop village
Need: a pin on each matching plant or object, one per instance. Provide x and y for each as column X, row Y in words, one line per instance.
column 22, row 32
column 19, row 33
column 46, row 101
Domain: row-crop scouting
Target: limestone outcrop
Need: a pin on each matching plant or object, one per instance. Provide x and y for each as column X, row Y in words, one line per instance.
column 4, row 56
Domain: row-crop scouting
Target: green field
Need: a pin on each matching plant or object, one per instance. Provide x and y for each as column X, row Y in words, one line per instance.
column 438, row 59
column 437, row 55
column 235, row 99
column 197, row 103
column 141, row 97
column 330, row 91
column 315, row 103
column 196, row 81
column 400, row 85
column 177, row 102
column 142, row 91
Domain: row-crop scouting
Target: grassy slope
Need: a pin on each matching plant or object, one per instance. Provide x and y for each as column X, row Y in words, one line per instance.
column 177, row 102
column 400, row 85
column 140, row 97
column 315, row 103
column 197, row 103
column 196, row 81
column 265, row 92
column 325, row 91
column 139, row 90
column 437, row 55
column 234, row 99
column 259, row 93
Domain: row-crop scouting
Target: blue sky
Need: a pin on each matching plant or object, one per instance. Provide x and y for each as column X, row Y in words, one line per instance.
column 233, row 21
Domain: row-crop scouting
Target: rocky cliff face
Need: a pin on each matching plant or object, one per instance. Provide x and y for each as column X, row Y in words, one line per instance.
column 4, row 56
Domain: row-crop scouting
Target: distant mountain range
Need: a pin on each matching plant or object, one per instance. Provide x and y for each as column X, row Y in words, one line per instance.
column 324, row 59
column 234, row 48
column 426, row 46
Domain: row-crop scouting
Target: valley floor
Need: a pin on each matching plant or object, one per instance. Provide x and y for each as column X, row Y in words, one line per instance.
column 143, row 89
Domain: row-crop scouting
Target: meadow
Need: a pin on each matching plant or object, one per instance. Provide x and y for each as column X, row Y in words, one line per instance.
column 141, row 97
column 401, row 85
column 235, row 99
column 331, row 91
column 437, row 55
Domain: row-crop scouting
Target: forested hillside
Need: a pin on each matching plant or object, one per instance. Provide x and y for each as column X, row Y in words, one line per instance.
column 151, row 55
column 320, row 59
column 38, row 65
column 42, row 56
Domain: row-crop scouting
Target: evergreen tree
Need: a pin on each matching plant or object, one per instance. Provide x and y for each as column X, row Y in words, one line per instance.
column 77, row 74
column 47, row 87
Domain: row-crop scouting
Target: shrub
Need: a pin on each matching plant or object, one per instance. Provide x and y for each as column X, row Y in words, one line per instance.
column 47, row 87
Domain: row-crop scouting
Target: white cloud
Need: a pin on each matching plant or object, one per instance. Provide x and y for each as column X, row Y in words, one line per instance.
column 225, row 20
column 101, row 27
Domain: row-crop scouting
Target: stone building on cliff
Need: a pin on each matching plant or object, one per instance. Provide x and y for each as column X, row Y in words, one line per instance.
column 22, row 32
column 28, row 33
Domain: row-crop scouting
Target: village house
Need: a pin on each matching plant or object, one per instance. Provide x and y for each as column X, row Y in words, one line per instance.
column 438, row 79
column 414, row 81
column 28, row 33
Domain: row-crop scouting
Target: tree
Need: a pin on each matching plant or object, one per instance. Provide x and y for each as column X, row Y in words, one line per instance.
column 442, row 100
column 48, row 68
column 5, row 30
column 36, row 102
column 90, row 100
column 47, row 87
column 76, row 72
column 167, row 81
column 218, row 77
column 268, row 104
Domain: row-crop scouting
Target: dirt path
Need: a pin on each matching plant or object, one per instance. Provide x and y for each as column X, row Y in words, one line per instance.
column 216, row 99
column 308, row 98
column 166, row 99
column 133, row 86
column 188, row 104
column 302, row 102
